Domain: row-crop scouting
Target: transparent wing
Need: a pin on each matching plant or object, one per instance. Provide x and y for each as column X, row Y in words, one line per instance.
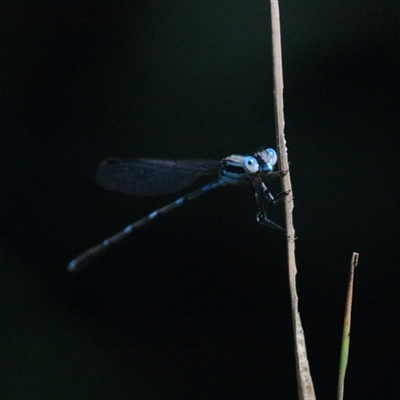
column 152, row 177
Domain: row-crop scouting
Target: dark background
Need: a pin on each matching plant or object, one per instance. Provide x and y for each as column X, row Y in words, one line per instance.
column 196, row 305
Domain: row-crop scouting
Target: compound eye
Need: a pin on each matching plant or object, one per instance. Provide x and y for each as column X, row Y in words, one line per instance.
column 272, row 157
column 250, row 165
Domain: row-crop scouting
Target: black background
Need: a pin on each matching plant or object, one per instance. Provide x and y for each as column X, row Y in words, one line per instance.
column 196, row 305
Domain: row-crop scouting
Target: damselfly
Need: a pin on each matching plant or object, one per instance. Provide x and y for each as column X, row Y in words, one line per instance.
column 152, row 177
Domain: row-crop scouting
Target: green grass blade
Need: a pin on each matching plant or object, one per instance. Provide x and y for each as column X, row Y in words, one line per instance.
column 344, row 352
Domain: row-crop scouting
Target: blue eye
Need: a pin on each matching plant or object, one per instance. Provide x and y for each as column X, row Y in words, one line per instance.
column 273, row 157
column 250, row 165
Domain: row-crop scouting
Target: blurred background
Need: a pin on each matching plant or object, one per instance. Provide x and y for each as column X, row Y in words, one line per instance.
column 196, row 305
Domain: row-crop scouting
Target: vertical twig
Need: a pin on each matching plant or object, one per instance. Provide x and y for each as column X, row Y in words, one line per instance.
column 305, row 384
column 344, row 353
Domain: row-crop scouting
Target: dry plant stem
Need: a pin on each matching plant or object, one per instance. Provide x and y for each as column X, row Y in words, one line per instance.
column 344, row 353
column 305, row 384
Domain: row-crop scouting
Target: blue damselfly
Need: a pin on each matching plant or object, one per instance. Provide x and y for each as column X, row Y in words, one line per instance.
column 153, row 177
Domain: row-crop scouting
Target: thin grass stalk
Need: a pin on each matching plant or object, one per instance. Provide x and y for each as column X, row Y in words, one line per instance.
column 304, row 380
column 344, row 352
